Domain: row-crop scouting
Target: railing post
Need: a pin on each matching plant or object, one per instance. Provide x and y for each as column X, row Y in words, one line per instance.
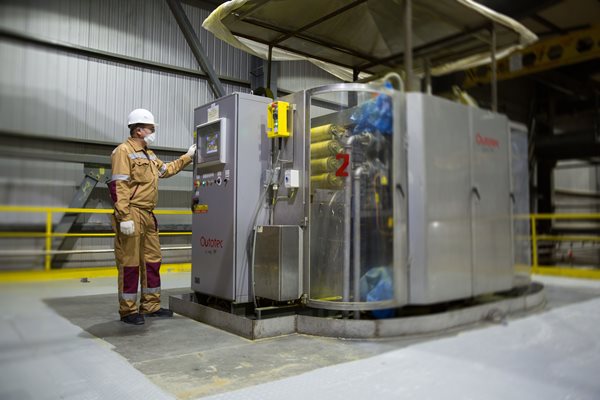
column 48, row 258
column 534, row 247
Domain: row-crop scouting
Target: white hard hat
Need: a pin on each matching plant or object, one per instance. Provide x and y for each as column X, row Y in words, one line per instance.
column 140, row 116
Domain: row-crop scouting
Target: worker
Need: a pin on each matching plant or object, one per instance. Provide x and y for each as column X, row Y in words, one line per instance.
column 134, row 192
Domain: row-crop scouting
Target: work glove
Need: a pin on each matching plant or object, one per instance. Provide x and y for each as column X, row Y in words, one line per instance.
column 191, row 151
column 127, row 228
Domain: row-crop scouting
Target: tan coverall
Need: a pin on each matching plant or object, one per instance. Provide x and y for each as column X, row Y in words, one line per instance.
column 134, row 192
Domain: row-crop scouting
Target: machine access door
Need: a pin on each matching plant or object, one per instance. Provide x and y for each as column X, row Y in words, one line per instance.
column 491, row 204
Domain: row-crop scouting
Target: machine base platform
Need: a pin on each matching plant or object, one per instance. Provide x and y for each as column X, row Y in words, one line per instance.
column 493, row 308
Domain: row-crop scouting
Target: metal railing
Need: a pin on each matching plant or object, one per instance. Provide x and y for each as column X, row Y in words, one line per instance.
column 48, row 234
column 582, row 239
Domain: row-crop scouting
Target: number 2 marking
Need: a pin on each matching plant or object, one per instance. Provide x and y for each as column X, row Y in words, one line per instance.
column 341, row 171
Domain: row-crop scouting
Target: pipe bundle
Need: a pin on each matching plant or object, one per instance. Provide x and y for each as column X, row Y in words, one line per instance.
column 324, row 146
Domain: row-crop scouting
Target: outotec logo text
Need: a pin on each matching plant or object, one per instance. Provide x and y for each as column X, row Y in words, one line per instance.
column 487, row 141
column 211, row 243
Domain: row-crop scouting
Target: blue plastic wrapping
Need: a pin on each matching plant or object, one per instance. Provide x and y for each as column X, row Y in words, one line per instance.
column 375, row 115
column 377, row 285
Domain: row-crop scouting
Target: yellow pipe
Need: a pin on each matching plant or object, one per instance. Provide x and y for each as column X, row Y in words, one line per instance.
column 41, row 209
column 172, row 212
column 324, row 165
column 534, row 246
column 56, row 209
column 566, row 271
column 570, row 238
column 326, row 181
column 15, row 235
column 325, row 149
column 567, row 216
column 48, row 258
column 78, row 273
column 325, row 132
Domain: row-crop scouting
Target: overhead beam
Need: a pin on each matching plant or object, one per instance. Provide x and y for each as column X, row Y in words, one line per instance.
column 429, row 48
column 543, row 21
column 196, row 47
column 568, row 85
column 79, row 151
column 574, row 48
column 307, row 38
column 302, row 53
column 575, row 145
column 519, row 9
column 258, row 4
column 319, row 21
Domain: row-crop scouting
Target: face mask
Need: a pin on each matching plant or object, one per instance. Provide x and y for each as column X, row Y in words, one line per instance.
column 150, row 138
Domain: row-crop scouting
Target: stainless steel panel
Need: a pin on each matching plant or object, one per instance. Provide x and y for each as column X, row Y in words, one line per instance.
column 439, row 199
column 220, row 257
column 520, row 190
column 278, row 262
column 492, row 208
column 252, row 154
column 326, row 249
column 293, row 210
column 400, row 201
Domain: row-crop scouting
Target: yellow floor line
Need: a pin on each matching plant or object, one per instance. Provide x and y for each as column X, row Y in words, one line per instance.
column 567, row 272
column 78, row 273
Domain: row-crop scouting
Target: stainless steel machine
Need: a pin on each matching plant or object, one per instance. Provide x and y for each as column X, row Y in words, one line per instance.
column 459, row 200
column 351, row 197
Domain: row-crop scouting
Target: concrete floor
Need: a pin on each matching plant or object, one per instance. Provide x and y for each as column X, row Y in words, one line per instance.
column 62, row 339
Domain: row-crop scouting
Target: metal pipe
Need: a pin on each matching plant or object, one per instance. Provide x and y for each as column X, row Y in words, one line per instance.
column 196, row 47
column 23, row 253
column 347, row 224
column 356, row 237
column 494, row 71
column 269, row 65
column 428, row 88
column 346, row 270
column 408, row 51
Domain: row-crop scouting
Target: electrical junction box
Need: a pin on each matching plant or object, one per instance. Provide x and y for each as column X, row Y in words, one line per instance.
column 292, row 178
column 277, row 120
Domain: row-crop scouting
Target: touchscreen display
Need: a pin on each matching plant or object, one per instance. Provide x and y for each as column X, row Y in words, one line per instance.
column 212, row 143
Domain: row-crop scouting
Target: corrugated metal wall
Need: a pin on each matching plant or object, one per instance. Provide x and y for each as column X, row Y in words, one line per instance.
column 50, row 92
column 299, row 75
column 58, row 93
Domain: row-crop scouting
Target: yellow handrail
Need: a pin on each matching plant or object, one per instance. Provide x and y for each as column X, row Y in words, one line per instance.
column 48, row 234
column 535, row 238
column 49, row 211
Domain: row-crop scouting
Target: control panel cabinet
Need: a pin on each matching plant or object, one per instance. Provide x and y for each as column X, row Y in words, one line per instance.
column 232, row 153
